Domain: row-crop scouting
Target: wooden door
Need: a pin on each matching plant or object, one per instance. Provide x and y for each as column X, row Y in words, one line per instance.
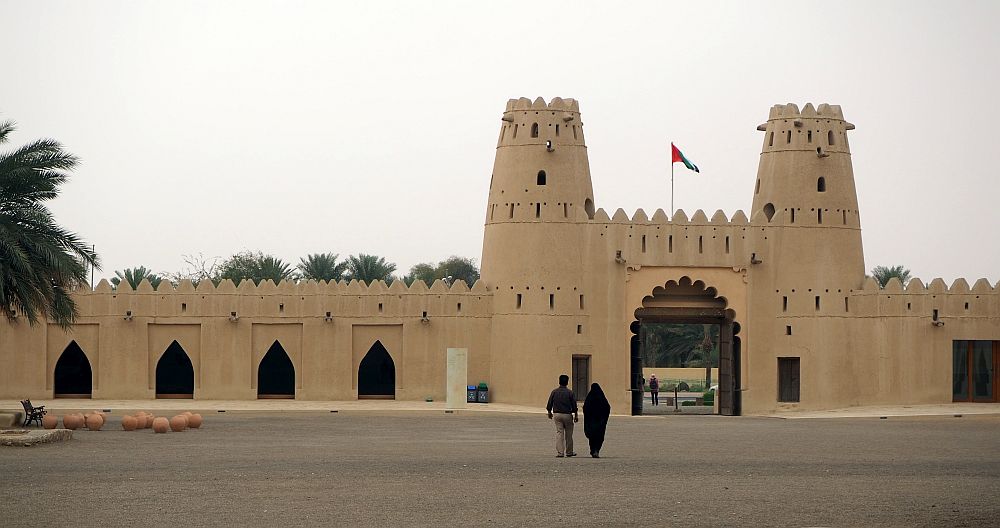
column 581, row 377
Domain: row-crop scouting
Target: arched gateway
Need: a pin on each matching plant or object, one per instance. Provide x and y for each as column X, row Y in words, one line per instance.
column 174, row 373
column 377, row 374
column 73, row 377
column 276, row 375
column 688, row 302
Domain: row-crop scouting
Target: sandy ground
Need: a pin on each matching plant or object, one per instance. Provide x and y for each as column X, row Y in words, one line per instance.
column 495, row 469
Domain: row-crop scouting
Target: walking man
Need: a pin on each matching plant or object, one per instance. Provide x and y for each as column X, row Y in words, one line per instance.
column 562, row 409
column 654, row 389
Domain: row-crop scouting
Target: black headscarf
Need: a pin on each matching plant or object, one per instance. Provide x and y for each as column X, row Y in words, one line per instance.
column 596, row 405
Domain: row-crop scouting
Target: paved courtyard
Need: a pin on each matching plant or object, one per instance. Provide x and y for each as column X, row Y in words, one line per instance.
column 497, row 469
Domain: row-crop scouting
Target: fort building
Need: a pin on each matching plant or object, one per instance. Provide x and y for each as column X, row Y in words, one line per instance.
column 566, row 288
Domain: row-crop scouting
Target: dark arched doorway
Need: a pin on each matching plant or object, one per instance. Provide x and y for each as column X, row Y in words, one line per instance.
column 174, row 374
column 377, row 374
column 73, row 377
column 709, row 327
column 276, row 375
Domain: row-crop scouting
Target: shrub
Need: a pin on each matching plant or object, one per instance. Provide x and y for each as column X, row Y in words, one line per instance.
column 687, row 403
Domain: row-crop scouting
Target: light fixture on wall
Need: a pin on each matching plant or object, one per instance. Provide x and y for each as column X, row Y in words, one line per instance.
column 233, row 317
column 934, row 319
column 754, row 259
column 128, row 315
column 548, row 145
column 618, row 257
column 328, row 318
column 424, row 319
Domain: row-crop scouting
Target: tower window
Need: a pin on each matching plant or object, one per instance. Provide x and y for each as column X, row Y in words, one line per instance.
column 184, row 307
column 643, row 243
column 768, row 211
column 821, row 184
column 788, row 330
column 701, row 244
column 727, row 245
column 379, row 307
column 459, row 308
column 538, row 210
column 670, row 244
column 788, row 138
column 281, row 308
column 845, row 216
column 817, row 302
column 515, row 132
column 847, row 306
column 552, row 301
column 574, row 131
column 809, row 136
column 819, row 216
column 557, row 130
column 511, row 210
column 784, row 304
column 519, row 301
column 793, row 215
column 534, row 130
column 770, row 140
column 829, row 138
column 757, row 189
column 541, row 178
column 581, row 301
column 565, row 210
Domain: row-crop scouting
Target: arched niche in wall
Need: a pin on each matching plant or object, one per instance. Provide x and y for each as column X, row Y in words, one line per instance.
column 377, row 374
column 276, row 374
column 73, row 376
column 174, row 373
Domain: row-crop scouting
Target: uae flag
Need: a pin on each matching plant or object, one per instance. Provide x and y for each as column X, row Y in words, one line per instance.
column 678, row 156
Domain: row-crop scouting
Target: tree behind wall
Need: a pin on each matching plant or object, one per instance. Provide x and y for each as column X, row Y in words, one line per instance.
column 133, row 276
column 254, row 266
column 40, row 261
column 369, row 268
column 322, row 267
column 882, row 274
column 452, row 269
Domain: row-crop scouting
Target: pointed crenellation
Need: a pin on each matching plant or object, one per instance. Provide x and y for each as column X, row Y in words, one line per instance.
column 145, row 286
column 982, row 286
column 104, row 287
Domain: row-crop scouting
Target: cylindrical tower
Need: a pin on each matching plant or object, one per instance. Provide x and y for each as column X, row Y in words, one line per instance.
column 540, row 199
column 805, row 192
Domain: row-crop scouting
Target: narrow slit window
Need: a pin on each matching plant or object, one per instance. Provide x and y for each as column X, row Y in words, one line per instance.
column 281, row 308
column 581, row 301
column 540, row 180
column 565, row 210
column 819, row 216
column 845, row 216
column 538, row 210
column 817, row 302
column 829, row 138
column 701, row 244
column 966, row 306
column 459, row 307
column 379, row 307
column 493, row 211
column 908, row 305
column 670, row 244
column 557, row 130
column 847, row 306
column 788, row 137
column 793, row 215
column 788, row 330
column 503, row 132
column 643, row 243
column 574, row 131
column 534, row 130
column 579, row 329
column 784, row 303
column 727, row 245
column 757, row 188
column 511, row 211
column 518, row 301
column 770, row 140
column 515, row 132
column 552, row 301
column 821, row 184
column 809, row 136
column 184, row 307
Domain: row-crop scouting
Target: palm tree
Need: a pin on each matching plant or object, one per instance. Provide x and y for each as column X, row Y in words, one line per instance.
column 133, row 276
column 273, row 268
column 40, row 261
column 882, row 274
column 369, row 268
column 256, row 267
column 322, row 267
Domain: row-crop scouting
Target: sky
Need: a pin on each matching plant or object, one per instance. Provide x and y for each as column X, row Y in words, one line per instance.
column 207, row 128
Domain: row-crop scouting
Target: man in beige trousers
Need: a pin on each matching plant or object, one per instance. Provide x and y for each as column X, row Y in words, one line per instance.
column 562, row 409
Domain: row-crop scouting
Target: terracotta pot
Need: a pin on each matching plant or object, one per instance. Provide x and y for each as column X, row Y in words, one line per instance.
column 95, row 422
column 149, row 420
column 129, row 423
column 194, row 421
column 140, row 420
column 160, row 425
column 49, row 421
column 71, row 422
column 178, row 423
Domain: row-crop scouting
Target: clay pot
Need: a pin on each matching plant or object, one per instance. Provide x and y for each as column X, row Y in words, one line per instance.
column 178, row 423
column 49, row 421
column 129, row 423
column 95, row 422
column 160, row 425
column 140, row 421
column 149, row 420
column 194, row 421
column 71, row 422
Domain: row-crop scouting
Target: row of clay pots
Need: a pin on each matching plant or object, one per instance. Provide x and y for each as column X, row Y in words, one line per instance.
column 140, row 420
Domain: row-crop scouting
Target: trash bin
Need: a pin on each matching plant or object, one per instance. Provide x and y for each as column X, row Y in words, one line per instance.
column 470, row 394
column 483, row 393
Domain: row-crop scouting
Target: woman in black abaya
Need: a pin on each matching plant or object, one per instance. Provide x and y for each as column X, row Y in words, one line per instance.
column 596, row 410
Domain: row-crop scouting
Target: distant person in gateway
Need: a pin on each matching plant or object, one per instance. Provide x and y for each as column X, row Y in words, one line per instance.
column 562, row 409
column 654, row 389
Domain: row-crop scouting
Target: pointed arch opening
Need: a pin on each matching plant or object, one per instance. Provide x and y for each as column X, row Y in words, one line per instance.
column 73, row 377
column 769, row 211
column 588, row 206
column 174, row 373
column 821, row 184
column 534, row 130
column 276, row 375
column 377, row 374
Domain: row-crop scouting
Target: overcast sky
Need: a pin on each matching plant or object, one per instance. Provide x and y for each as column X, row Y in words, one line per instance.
column 303, row 127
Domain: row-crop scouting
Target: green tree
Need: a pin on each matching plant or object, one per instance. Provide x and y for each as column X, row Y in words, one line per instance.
column 882, row 274
column 451, row 269
column 322, row 267
column 40, row 261
column 254, row 266
column 133, row 276
column 369, row 268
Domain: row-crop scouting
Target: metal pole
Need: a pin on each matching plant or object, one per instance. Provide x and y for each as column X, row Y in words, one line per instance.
column 93, row 248
column 671, row 182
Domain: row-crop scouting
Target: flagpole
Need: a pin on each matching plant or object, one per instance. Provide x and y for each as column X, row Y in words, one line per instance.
column 671, row 183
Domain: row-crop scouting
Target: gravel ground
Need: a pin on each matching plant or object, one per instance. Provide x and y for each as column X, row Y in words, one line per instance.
column 477, row 469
